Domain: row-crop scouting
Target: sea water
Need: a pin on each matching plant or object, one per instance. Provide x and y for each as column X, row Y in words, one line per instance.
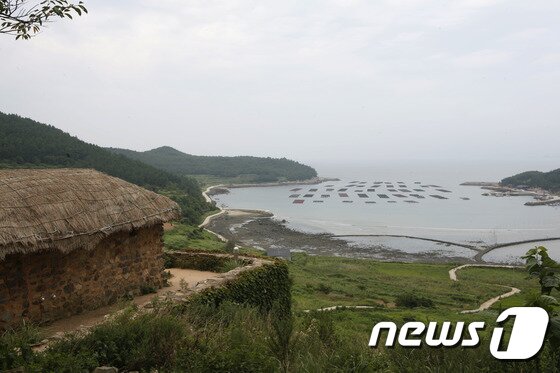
column 465, row 216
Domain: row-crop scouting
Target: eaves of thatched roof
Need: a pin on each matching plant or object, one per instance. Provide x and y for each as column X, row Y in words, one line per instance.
column 69, row 209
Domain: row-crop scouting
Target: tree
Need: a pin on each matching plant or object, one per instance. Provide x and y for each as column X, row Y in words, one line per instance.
column 24, row 20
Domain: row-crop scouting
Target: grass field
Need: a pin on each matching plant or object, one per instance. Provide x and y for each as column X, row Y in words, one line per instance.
column 321, row 281
column 191, row 237
column 234, row 337
column 328, row 281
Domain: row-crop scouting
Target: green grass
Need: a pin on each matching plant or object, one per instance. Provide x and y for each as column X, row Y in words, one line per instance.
column 207, row 214
column 189, row 237
column 233, row 337
column 328, row 281
column 368, row 282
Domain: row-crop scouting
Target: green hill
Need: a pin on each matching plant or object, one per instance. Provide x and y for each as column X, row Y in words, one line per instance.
column 546, row 180
column 26, row 143
column 245, row 168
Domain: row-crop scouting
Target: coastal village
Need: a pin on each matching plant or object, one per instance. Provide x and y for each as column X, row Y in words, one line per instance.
column 274, row 187
column 81, row 241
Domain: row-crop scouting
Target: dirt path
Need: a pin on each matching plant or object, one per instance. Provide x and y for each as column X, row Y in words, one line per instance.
column 486, row 305
column 94, row 317
column 334, row 308
column 231, row 212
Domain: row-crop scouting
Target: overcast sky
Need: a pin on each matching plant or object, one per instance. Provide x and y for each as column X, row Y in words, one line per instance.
column 307, row 80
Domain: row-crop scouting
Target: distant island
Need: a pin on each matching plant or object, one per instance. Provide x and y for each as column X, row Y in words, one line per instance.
column 210, row 169
column 549, row 181
column 544, row 187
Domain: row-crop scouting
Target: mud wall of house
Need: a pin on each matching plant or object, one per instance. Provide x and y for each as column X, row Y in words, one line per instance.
column 50, row 285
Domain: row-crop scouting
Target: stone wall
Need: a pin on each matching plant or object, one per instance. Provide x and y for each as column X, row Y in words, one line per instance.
column 50, row 285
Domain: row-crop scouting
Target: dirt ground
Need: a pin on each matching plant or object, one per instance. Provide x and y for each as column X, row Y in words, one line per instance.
column 90, row 318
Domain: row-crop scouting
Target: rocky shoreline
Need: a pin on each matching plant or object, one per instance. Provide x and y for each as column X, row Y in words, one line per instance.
column 259, row 229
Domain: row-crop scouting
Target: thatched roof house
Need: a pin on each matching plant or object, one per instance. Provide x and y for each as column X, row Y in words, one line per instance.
column 72, row 239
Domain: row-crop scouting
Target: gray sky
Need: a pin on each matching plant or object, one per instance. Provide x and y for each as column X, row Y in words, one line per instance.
column 307, row 80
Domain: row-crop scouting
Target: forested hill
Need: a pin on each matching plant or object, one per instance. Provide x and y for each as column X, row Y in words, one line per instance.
column 255, row 169
column 546, row 180
column 26, row 143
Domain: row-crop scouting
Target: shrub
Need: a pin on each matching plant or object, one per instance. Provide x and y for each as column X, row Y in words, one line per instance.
column 130, row 341
column 147, row 289
column 412, row 301
column 261, row 287
column 230, row 264
column 326, row 289
column 200, row 262
column 230, row 245
column 15, row 347
column 196, row 234
column 461, row 359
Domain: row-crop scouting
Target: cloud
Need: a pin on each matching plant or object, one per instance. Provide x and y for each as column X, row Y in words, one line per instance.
column 482, row 59
column 285, row 77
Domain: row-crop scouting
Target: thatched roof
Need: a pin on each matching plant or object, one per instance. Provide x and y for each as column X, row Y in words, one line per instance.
column 67, row 209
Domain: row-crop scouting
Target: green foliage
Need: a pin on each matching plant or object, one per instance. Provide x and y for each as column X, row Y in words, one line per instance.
column 230, row 246
column 325, row 289
column 540, row 265
column 147, row 289
column 15, row 347
column 252, row 169
column 264, row 287
column 192, row 238
column 226, row 338
column 231, row 264
column 282, row 339
column 545, row 180
column 379, row 284
column 234, row 338
column 409, row 300
column 460, row 359
column 26, row 143
column 353, row 282
column 202, row 262
column 24, row 21
column 130, row 341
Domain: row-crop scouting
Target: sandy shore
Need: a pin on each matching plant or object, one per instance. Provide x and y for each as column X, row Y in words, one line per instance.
column 313, row 181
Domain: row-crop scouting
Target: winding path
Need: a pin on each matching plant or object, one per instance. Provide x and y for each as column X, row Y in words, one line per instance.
column 209, row 218
column 486, row 305
column 334, row 308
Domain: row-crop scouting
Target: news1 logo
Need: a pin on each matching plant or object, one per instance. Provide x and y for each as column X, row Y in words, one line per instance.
column 526, row 339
